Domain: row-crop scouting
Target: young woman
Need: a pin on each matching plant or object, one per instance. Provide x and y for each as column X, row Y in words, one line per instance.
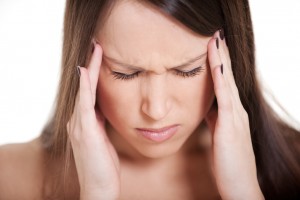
column 165, row 104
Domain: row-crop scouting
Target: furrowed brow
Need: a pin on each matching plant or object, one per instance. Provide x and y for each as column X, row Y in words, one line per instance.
column 132, row 67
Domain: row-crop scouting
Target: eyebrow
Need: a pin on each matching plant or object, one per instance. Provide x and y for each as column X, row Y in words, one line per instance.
column 132, row 67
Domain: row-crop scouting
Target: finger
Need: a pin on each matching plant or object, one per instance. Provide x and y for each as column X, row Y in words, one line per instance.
column 88, row 118
column 94, row 68
column 215, row 54
column 223, row 47
column 224, row 55
column 226, row 50
column 220, row 83
column 85, row 93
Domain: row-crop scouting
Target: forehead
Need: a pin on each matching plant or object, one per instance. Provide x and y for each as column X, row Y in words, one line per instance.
column 140, row 34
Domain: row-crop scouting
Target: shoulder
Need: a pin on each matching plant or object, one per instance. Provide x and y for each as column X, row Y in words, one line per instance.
column 20, row 170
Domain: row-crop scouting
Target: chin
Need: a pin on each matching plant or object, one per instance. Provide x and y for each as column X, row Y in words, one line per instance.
column 156, row 151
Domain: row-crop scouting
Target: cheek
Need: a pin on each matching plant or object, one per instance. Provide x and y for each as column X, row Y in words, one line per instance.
column 114, row 99
column 119, row 102
column 198, row 98
column 206, row 94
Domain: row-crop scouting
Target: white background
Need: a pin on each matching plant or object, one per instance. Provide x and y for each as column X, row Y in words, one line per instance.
column 30, row 53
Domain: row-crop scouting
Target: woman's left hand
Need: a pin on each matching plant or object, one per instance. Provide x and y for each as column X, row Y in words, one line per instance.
column 233, row 160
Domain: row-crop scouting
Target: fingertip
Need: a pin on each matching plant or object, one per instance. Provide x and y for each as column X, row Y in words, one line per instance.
column 213, row 54
column 98, row 46
column 96, row 58
column 212, row 44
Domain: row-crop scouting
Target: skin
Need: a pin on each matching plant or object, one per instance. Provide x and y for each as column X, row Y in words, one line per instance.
column 231, row 154
column 157, row 97
column 109, row 157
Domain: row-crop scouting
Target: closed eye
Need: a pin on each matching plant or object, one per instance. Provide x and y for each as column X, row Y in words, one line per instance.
column 191, row 73
column 194, row 72
column 118, row 75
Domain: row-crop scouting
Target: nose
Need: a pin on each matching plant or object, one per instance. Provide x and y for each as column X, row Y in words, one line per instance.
column 156, row 100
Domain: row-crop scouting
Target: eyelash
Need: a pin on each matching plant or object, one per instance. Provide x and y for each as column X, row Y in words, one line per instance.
column 194, row 72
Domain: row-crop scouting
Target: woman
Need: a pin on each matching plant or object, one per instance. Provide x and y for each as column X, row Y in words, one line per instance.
column 166, row 106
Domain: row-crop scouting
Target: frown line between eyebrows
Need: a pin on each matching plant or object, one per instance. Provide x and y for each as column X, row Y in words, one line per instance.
column 132, row 67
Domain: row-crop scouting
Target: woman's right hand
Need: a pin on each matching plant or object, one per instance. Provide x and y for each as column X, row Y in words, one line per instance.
column 96, row 160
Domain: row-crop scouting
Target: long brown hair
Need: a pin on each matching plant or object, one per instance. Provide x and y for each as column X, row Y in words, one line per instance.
column 274, row 141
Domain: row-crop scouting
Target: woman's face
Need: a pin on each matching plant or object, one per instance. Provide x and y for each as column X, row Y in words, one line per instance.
column 161, row 93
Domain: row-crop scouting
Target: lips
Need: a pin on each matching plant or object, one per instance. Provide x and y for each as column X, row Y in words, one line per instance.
column 158, row 135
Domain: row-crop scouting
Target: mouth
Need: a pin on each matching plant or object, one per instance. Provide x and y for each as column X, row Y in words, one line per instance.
column 158, row 135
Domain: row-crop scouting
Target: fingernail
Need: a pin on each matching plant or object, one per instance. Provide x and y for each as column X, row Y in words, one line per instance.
column 221, row 32
column 78, row 70
column 222, row 68
column 217, row 43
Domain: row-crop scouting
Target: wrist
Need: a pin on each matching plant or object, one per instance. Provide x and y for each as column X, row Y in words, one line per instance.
column 247, row 192
column 88, row 192
column 97, row 195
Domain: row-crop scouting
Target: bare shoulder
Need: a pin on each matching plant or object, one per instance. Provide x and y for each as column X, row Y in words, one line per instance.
column 20, row 170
